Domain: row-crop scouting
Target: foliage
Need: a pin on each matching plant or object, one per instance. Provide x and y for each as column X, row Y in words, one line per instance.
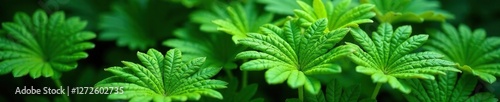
column 205, row 17
column 43, row 45
column 392, row 11
column 447, row 88
column 339, row 16
column 242, row 20
column 387, row 56
column 286, row 50
column 474, row 52
column 290, row 54
column 163, row 78
column 136, row 25
column 218, row 49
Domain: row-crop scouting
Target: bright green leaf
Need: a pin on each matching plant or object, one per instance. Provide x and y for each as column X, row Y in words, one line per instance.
column 339, row 15
column 293, row 54
column 163, row 78
column 43, row 45
column 387, row 56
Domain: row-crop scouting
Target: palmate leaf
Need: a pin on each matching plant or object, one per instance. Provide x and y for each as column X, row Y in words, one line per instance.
column 291, row 54
column 163, row 78
column 474, row 52
column 339, row 16
column 335, row 92
column 387, row 56
column 139, row 24
column 392, row 11
column 43, row 45
column 243, row 19
column 215, row 10
column 447, row 88
column 217, row 48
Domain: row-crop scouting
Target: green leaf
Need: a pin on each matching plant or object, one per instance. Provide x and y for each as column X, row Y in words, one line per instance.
column 139, row 24
column 292, row 55
column 387, row 56
column 392, row 11
column 43, row 45
column 163, row 78
column 447, row 88
column 217, row 48
column 339, row 15
column 238, row 20
column 473, row 52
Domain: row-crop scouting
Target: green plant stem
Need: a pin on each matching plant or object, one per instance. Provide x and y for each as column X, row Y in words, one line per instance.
column 229, row 73
column 375, row 91
column 244, row 79
column 58, row 83
column 301, row 94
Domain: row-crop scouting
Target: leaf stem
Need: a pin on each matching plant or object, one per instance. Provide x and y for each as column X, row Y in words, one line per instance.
column 244, row 79
column 375, row 91
column 301, row 94
column 229, row 73
column 58, row 83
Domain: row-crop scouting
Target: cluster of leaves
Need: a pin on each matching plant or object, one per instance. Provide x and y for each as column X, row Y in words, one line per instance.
column 163, row 78
column 301, row 49
column 474, row 52
column 43, row 45
column 451, row 87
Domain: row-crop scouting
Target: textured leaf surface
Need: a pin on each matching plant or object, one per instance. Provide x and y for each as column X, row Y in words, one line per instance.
column 289, row 54
column 388, row 56
column 43, row 45
column 474, row 52
column 392, row 11
column 339, row 15
column 447, row 88
column 139, row 24
column 162, row 78
column 217, row 48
